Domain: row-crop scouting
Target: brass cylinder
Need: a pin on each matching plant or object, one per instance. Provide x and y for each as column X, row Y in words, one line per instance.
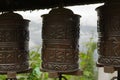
column 60, row 34
column 109, row 34
column 14, row 42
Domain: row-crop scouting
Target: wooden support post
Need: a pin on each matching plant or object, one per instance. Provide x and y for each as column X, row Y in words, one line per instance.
column 11, row 76
column 108, row 69
column 53, row 75
column 56, row 74
column 76, row 73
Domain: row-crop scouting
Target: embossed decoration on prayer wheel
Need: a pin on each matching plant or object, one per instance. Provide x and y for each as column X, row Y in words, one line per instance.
column 60, row 34
column 14, row 41
column 109, row 35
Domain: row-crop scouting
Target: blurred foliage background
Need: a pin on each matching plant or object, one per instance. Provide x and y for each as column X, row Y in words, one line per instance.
column 87, row 64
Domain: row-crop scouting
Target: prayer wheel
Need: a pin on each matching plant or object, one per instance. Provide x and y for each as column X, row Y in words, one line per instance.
column 109, row 34
column 14, row 42
column 60, row 34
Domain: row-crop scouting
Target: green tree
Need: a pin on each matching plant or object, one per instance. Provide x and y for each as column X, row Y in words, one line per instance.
column 87, row 61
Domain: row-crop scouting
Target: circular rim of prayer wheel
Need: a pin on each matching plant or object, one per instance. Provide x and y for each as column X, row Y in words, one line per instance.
column 61, row 11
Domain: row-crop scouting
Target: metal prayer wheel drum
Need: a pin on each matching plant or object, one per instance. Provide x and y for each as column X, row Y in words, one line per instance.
column 109, row 34
column 14, row 38
column 60, row 35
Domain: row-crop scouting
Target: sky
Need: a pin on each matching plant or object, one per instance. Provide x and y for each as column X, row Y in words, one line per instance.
column 88, row 23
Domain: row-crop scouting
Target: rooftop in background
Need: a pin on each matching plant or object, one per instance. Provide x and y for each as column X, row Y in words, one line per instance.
column 21, row 5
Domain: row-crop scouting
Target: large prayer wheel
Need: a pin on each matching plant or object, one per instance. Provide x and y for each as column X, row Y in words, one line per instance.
column 60, row 34
column 14, row 40
column 109, row 34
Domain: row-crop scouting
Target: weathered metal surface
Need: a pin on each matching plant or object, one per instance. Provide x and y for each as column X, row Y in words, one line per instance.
column 109, row 34
column 14, row 38
column 60, row 35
